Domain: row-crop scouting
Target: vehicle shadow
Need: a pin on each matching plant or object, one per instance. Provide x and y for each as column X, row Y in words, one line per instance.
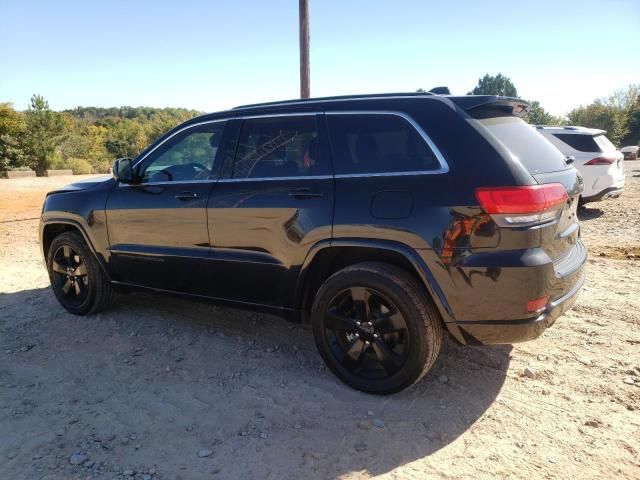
column 589, row 213
column 186, row 375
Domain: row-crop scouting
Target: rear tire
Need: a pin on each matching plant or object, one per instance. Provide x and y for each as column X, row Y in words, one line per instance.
column 76, row 278
column 376, row 327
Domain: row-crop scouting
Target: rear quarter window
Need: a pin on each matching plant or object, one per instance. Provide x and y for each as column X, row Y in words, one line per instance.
column 536, row 153
column 378, row 143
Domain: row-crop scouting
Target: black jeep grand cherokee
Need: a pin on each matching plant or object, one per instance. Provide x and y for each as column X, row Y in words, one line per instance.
column 379, row 219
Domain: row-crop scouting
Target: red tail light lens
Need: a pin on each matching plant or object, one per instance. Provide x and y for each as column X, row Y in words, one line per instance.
column 602, row 160
column 522, row 206
column 529, row 199
column 537, row 304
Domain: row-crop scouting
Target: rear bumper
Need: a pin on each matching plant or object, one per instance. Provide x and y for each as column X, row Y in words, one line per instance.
column 490, row 332
column 611, row 192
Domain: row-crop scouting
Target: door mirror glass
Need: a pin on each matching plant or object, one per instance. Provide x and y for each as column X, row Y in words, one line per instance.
column 123, row 170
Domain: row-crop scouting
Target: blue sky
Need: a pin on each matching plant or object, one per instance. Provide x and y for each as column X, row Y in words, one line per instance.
column 212, row 55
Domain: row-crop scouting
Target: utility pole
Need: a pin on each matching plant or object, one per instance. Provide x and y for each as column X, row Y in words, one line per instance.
column 305, row 83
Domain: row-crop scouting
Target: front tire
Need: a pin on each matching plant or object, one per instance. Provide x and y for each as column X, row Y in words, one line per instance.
column 376, row 327
column 76, row 278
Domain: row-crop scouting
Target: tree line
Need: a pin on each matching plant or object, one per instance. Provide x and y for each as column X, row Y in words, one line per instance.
column 618, row 114
column 84, row 139
column 88, row 139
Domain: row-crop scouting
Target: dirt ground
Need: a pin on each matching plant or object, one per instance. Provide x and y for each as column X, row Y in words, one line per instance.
column 161, row 388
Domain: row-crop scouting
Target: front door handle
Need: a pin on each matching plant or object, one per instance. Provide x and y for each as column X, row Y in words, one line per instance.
column 305, row 193
column 187, row 196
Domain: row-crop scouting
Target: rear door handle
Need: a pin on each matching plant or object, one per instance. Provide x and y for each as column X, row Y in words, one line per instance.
column 187, row 196
column 305, row 193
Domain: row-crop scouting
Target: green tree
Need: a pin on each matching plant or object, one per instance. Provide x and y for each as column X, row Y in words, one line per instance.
column 632, row 137
column 539, row 116
column 12, row 133
column 45, row 129
column 603, row 116
column 125, row 138
column 495, row 85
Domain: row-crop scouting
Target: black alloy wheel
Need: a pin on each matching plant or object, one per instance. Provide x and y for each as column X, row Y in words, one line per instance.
column 70, row 277
column 367, row 332
column 77, row 279
column 376, row 327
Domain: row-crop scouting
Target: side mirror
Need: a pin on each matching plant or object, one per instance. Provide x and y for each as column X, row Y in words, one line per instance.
column 123, row 170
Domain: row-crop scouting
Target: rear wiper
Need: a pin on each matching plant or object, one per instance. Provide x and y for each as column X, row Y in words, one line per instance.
column 569, row 159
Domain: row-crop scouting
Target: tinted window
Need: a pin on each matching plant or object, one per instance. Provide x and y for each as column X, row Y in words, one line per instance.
column 580, row 142
column 189, row 155
column 604, row 143
column 536, row 153
column 279, row 147
column 368, row 143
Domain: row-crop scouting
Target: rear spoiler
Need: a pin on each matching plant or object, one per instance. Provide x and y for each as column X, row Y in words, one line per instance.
column 481, row 106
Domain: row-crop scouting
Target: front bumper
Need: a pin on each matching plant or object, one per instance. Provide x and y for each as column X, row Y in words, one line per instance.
column 488, row 332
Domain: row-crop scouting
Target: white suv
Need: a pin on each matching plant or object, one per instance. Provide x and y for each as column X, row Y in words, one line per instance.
column 595, row 157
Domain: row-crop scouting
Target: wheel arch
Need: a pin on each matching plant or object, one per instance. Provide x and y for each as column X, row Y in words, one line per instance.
column 326, row 258
column 53, row 227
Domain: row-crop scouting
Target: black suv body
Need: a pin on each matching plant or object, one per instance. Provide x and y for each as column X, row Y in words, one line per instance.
column 380, row 219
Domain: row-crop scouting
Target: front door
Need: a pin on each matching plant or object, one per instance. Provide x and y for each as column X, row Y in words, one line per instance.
column 274, row 204
column 158, row 226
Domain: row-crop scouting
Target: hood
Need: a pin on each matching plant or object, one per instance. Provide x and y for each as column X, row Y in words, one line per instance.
column 83, row 184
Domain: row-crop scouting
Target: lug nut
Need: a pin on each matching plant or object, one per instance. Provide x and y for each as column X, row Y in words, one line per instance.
column 375, row 335
column 367, row 342
column 370, row 324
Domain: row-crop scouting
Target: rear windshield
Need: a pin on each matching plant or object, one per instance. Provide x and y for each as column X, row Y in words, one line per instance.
column 534, row 151
column 583, row 142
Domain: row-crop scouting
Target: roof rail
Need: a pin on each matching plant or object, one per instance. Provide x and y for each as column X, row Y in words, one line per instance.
column 565, row 127
column 302, row 101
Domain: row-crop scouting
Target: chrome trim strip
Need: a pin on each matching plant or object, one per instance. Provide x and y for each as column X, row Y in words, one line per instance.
column 267, row 179
column 269, row 115
column 152, row 184
column 444, row 166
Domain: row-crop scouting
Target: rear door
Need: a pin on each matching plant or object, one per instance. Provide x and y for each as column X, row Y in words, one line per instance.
column 158, row 227
column 274, row 204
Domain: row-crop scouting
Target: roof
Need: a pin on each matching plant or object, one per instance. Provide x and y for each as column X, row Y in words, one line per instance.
column 303, row 101
column 478, row 103
column 571, row 129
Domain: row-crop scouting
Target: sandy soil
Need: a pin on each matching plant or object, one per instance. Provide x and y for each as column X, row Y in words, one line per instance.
column 169, row 389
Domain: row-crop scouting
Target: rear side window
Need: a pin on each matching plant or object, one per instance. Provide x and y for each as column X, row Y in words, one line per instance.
column 279, row 147
column 535, row 152
column 604, row 143
column 377, row 143
column 579, row 142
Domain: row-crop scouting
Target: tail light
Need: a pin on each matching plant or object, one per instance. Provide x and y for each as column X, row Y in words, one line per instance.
column 523, row 206
column 602, row 160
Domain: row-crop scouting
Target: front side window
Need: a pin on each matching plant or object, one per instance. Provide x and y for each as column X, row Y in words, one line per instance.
column 188, row 156
column 378, row 143
column 278, row 147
